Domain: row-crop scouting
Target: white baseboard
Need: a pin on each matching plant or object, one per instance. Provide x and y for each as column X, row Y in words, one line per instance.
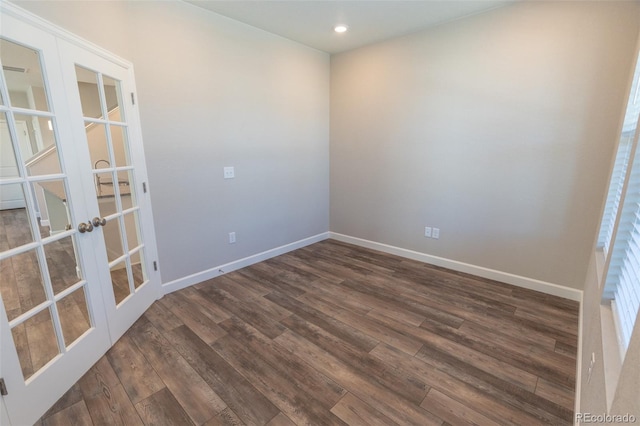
column 505, row 277
column 13, row 204
column 198, row 277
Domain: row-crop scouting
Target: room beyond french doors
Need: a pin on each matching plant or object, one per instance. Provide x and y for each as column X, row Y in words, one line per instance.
column 77, row 248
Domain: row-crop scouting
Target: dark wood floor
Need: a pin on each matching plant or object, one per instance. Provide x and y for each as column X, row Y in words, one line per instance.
column 335, row 334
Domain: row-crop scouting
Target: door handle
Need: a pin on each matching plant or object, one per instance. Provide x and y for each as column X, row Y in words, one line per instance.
column 96, row 221
column 85, row 227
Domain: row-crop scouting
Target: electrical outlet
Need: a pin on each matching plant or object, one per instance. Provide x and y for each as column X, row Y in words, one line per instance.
column 229, row 172
column 232, row 237
column 435, row 233
column 427, row 231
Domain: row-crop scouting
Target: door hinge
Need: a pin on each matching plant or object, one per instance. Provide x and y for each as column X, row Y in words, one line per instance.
column 3, row 388
column 155, row 265
column 133, row 99
column 144, row 187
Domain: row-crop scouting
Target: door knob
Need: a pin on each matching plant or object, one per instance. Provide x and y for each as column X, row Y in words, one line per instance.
column 96, row 221
column 85, row 227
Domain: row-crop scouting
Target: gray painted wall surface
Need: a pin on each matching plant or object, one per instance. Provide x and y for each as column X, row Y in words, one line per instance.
column 213, row 92
column 498, row 129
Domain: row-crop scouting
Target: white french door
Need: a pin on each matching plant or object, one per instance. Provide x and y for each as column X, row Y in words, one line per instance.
column 77, row 254
column 105, row 122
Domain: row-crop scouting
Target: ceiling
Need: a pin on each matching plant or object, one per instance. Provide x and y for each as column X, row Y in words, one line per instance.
column 311, row 22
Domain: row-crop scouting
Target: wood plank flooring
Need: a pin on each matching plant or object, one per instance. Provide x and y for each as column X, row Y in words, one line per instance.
column 334, row 334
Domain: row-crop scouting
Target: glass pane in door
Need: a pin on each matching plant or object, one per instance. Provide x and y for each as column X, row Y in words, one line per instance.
column 138, row 269
column 113, row 239
column 21, row 283
column 113, row 98
column 132, row 228
column 52, row 202
column 126, row 189
column 8, row 162
column 35, row 341
column 120, row 281
column 89, row 93
column 23, row 75
column 74, row 317
column 62, row 263
column 15, row 221
column 98, row 148
column 38, row 148
column 120, row 146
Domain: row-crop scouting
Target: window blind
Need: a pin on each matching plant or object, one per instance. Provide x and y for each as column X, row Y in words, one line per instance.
column 622, row 285
column 622, row 216
column 619, row 173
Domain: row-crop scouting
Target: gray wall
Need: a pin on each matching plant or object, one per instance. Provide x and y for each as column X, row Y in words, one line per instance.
column 498, row 129
column 212, row 93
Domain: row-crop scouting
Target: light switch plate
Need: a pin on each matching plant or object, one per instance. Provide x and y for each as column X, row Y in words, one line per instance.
column 229, row 172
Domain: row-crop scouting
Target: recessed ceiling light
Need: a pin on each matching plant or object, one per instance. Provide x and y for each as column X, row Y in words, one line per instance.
column 340, row 28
